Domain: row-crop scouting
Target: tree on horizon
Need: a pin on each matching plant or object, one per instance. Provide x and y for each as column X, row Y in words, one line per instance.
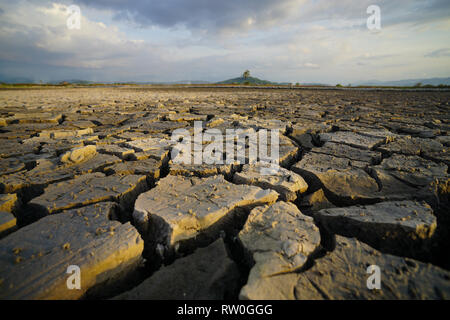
column 246, row 74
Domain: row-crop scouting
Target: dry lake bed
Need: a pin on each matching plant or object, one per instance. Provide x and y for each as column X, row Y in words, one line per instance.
column 93, row 205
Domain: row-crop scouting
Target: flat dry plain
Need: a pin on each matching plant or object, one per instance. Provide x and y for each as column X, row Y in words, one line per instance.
column 89, row 189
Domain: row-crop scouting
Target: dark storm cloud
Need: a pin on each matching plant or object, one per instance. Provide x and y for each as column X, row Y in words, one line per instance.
column 199, row 14
column 212, row 15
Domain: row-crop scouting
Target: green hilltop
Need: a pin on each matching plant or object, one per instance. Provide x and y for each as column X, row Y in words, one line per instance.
column 246, row 79
column 242, row 80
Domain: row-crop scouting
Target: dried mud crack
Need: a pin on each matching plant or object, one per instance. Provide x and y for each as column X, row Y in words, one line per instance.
column 88, row 178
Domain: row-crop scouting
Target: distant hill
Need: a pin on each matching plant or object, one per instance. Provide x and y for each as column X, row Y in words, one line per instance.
column 168, row 82
column 248, row 80
column 7, row 79
column 406, row 82
column 71, row 81
column 16, row 80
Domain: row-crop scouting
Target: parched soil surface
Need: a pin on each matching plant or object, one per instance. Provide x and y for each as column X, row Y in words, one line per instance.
column 90, row 187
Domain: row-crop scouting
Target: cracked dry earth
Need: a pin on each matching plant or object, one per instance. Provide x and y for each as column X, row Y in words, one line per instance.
column 87, row 179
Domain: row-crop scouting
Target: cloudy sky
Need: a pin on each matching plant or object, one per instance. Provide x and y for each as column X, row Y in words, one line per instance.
column 280, row 40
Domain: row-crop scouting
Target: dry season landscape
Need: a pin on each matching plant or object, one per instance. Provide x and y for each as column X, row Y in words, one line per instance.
column 87, row 180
